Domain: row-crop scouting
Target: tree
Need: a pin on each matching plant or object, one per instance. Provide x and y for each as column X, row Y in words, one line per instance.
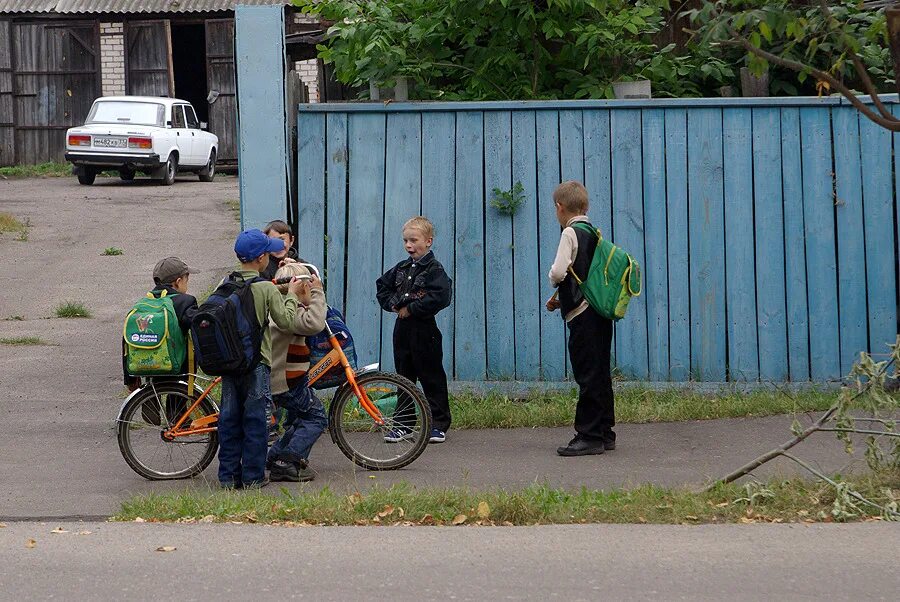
column 511, row 49
column 841, row 44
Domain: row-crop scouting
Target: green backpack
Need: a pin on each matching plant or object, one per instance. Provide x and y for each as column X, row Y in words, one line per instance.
column 154, row 343
column 612, row 280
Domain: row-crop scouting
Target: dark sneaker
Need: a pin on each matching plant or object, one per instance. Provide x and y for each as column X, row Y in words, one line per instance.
column 280, row 470
column 437, row 436
column 256, row 484
column 305, row 473
column 581, row 447
column 230, row 485
column 398, row 434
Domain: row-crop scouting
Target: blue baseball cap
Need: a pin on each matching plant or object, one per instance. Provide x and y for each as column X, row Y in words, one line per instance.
column 250, row 244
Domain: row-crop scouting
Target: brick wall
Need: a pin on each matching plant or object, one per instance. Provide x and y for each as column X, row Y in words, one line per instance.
column 308, row 70
column 112, row 58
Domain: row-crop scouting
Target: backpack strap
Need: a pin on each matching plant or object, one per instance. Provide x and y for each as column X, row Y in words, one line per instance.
column 585, row 227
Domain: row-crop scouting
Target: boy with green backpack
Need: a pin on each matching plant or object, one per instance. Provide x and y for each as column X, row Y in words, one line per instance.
column 589, row 274
column 154, row 338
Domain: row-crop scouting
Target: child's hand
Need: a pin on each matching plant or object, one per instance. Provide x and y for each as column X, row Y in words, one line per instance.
column 296, row 286
column 552, row 303
column 403, row 313
column 314, row 282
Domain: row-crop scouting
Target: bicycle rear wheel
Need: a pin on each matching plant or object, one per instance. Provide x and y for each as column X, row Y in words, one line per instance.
column 157, row 407
column 406, row 429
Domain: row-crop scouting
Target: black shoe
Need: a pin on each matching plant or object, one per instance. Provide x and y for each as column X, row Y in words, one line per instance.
column 609, row 441
column 256, row 484
column 581, row 447
column 281, row 470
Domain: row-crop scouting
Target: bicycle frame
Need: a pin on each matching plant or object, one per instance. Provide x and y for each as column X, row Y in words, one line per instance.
column 333, row 358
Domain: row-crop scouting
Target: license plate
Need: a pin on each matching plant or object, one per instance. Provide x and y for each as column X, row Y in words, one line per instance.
column 110, row 142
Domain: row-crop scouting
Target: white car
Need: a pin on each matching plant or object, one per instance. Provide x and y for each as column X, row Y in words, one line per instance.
column 157, row 136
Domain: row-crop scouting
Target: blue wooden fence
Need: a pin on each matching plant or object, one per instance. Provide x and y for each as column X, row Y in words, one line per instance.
column 766, row 228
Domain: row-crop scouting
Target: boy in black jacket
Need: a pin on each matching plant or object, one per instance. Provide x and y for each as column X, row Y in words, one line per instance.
column 590, row 334
column 416, row 289
column 171, row 275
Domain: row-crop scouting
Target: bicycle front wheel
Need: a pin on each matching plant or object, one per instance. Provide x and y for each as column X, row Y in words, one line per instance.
column 406, row 429
column 156, row 408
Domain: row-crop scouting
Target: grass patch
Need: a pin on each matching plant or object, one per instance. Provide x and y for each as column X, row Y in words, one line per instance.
column 10, row 223
column 633, row 405
column 72, row 309
column 24, row 341
column 235, row 207
column 111, row 251
column 52, row 170
column 777, row 501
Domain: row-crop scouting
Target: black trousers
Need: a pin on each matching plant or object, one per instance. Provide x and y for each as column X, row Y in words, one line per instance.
column 419, row 356
column 590, row 339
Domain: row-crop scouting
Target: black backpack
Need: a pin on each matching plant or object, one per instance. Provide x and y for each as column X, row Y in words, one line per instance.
column 226, row 333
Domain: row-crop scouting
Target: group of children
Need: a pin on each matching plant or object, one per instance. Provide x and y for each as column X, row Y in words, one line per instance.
column 415, row 289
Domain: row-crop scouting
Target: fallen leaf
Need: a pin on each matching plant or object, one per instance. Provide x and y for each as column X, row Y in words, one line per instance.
column 401, row 512
column 166, row 549
column 209, row 518
column 691, row 517
column 84, row 533
column 746, row 520
column 354, row 499
column 387, row 511
column 30, row 543
column 484, row 510
column 508, row 524
column 251, row 518
column 426, row 520
column 802, row 512
column 139, row 520
column 2, row 525
column 723, row 505
column 459, row 519
column 641, row 519
column 58, row 530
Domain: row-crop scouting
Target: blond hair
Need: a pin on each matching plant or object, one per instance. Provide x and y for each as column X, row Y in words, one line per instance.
column 289, row 270
column 420, row 223
column 573, row 196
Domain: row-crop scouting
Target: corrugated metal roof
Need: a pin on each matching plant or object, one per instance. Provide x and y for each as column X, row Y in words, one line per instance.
column 27, row 6
column 125, row 6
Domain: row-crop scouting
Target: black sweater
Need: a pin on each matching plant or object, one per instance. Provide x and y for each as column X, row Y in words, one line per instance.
column 422, row 286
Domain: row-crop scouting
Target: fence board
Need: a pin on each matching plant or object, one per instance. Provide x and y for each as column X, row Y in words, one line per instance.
column 628, row 217
column 821, row 271
column 707, row 244
column 336, row 209
column 498, row 242
column 850, row 239
column 526, row 271
column 655, row 272
column 598, row 178
column 402, row 200
column 310, row 188
column 438, row 204
column 878, row 208
column 740, row 281
column 553, row 353
column 769, row 231
column 470, row 315
column 677, row 222
column 365, row 224
column 794, row 247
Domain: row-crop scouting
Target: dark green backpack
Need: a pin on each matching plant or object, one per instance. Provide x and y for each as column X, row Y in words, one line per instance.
column 154, row 343
column 612, row 280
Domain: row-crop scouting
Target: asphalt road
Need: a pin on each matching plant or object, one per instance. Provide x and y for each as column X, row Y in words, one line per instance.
column 583, row 562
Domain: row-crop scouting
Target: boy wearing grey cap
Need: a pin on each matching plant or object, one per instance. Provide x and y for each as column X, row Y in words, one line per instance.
column 171, row 275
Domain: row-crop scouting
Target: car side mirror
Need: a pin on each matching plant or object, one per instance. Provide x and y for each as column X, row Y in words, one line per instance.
column 203, row 125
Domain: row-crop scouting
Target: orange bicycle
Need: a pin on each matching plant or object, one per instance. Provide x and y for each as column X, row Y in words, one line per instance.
column 379, row 420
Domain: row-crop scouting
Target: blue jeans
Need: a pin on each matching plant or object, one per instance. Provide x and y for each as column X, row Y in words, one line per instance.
column 242, row 427
column 304, row 421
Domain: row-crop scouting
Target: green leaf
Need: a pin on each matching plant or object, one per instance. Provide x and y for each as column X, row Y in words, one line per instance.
column 765, row 31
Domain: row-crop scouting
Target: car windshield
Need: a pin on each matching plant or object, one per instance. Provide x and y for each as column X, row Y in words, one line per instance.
column 118, row 111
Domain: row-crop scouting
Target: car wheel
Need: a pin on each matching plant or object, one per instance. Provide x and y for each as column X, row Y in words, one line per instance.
column 209, row 172
column 127, row 175
column 170, row 171
column 87, row 176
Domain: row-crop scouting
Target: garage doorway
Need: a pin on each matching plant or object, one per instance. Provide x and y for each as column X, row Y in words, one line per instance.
column 189, row 65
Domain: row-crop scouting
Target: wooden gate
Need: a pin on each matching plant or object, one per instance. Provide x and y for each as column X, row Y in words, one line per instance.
column 220, row 79
column 7, row 136
column 148, row 59
column 55, row 80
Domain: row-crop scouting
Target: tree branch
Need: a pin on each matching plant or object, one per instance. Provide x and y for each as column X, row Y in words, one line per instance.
column 891, row 123
column 859, row 432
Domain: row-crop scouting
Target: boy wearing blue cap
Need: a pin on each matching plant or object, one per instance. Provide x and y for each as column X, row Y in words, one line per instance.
column 242, row 418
